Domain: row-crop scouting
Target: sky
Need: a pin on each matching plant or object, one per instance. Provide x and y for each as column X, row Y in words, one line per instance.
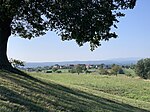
column 133, row 41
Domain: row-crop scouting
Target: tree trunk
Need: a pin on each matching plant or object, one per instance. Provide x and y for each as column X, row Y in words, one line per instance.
column 5, row 32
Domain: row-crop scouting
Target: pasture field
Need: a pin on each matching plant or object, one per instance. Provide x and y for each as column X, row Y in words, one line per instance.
column 134, row 88
column 66, row 92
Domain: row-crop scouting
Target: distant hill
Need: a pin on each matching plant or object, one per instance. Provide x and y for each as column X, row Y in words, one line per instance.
column 119, row 61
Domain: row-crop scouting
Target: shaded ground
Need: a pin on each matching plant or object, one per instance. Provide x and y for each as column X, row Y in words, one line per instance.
column 27, row 94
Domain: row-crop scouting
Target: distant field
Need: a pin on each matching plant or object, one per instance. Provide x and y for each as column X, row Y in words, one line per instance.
column 67, row 92
column 121, row 85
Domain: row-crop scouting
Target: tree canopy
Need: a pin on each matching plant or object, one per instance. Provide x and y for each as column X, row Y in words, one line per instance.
column 82, row 20
column 143, row 68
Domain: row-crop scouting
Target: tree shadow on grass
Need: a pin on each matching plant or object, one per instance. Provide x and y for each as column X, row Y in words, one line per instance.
column 35, row 95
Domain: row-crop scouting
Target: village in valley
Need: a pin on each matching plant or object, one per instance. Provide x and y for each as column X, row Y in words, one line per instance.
column 110, row 69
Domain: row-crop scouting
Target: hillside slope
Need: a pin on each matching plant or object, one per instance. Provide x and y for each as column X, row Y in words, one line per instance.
column 30, row 94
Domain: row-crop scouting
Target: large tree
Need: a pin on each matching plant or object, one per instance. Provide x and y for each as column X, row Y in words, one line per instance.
column 143, row 68
column 81, row 20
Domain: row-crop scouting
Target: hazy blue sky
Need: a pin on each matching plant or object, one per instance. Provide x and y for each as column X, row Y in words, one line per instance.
column 133, row 41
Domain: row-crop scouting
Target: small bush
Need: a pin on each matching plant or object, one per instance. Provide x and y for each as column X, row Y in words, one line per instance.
column 87, row 71
column 120, row 71
column 103, row 71
column 128, row 74
column 49, row 71
column 54, row 69
column 72, row 71
column 58, row 71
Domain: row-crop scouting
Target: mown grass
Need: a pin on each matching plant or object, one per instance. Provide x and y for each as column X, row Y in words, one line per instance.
column 71, row 93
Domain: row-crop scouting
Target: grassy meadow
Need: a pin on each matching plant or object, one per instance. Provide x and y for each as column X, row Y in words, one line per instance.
column 66, row 92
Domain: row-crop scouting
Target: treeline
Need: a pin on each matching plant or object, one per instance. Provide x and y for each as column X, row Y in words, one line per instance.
column 142, row 68
column 101, row 69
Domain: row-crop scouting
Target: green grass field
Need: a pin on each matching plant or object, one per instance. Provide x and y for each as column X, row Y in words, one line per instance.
column 64, row 92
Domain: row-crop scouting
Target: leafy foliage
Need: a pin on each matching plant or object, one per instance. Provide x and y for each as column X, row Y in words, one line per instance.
column 78, row 69
column 16, row 63
column 103, row 71
column 115, row 69
column 54, row 69
column 143, row 68
column 82, row 20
